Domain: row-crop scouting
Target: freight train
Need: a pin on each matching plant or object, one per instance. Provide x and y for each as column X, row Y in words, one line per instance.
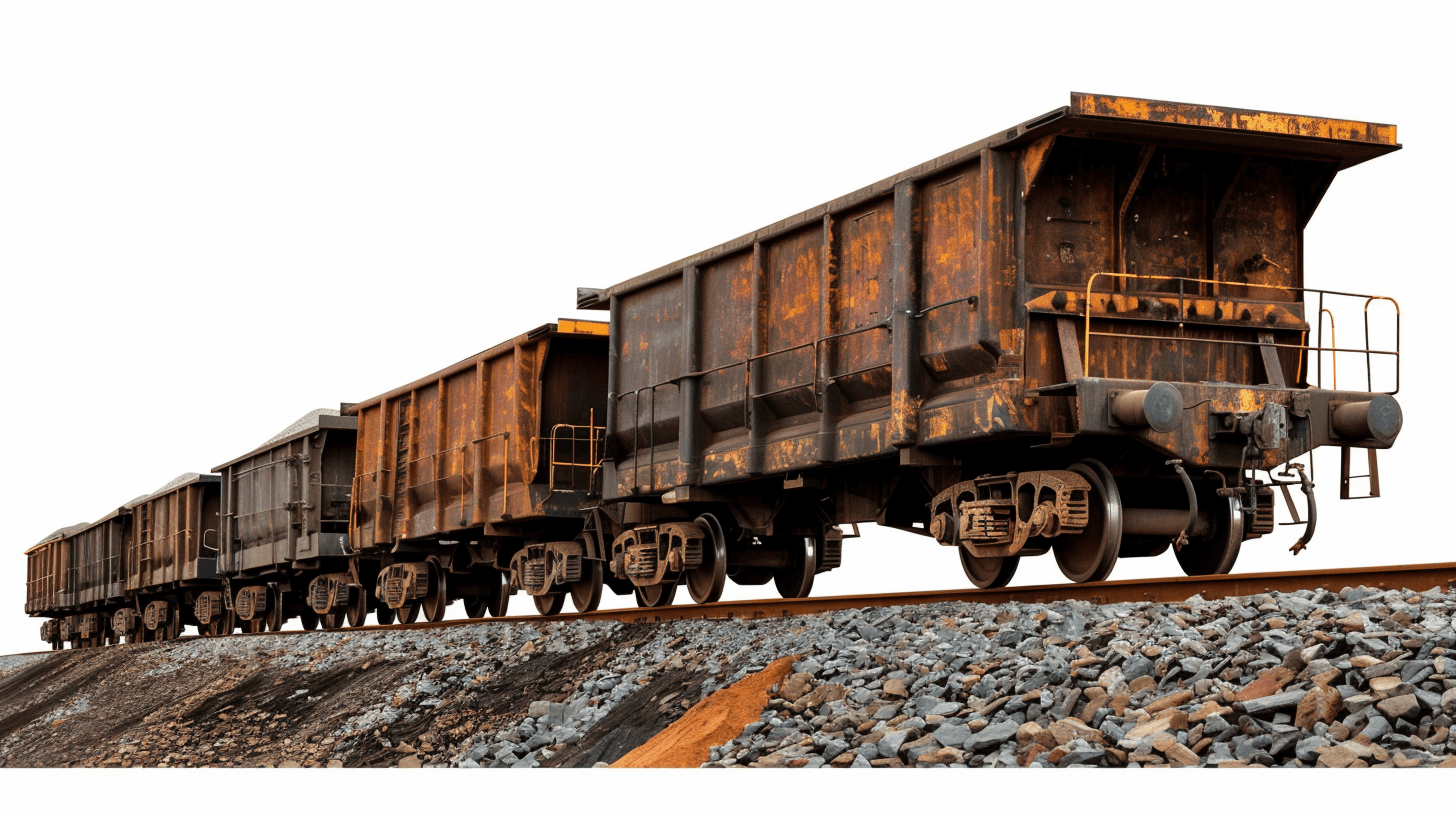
column 1089, row 335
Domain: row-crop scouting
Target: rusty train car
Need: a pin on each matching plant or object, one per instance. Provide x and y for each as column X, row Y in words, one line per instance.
column 470, row 483
column 1089, row 336
column 285, row 540
column 136, row 574
column 1086, row 335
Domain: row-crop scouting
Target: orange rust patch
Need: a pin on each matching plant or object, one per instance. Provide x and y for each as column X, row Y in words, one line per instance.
column 1287, row 124
column 712, row 722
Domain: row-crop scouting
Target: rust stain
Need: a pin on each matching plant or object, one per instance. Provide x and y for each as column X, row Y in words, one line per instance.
column 1149, row 110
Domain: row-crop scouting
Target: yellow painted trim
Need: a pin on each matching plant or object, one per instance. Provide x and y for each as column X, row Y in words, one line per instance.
column 582, row 327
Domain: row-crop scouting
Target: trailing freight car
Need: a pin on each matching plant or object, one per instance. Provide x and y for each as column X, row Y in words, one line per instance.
column 136, row 573
column 1090, row 334
column 50, row 584
column 285, row 531
column 470, row 483
column 76, row 577
column 170, row 559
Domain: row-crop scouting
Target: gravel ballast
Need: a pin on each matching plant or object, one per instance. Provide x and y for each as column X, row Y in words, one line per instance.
column 1316, row 678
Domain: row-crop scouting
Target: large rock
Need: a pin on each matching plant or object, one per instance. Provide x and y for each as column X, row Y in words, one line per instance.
column 1384, row 669
column 1067, row 730
column 1137, row 666
column 944, row 756
column 1320, row 704
column 1028, row 733
column 827, row 693
column 991, row 736
column 795, row 686
column 912, row 751
column 1335, row 756
column 1308, row 749
column 1180, row 755
column 1113, row 680
column 834, row 748
column 1172, row 700
column 1404, row 707
column 1273, row 702
column 1268, row 683
column 954, row 736
column 1154, row 726
column 889, row 744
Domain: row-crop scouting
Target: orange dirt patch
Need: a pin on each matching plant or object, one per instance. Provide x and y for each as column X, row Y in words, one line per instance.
column 712, row 722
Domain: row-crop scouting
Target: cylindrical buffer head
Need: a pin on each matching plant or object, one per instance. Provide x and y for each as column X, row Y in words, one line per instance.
column 1159, row 408
column 1378, row 418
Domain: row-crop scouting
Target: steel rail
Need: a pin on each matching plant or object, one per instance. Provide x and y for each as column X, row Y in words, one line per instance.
column 1418, row 577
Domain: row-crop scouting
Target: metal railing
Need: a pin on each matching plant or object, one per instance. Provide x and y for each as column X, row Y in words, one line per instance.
column 573, row 438
column 1317, row 349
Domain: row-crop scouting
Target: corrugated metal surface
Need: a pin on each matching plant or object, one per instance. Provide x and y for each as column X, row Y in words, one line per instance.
column 175, row 535
column 49, row 583
column 465, row 447
column 289, row 499
column 98, row 551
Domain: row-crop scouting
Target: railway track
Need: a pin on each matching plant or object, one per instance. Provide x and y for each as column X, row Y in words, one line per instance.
column 1414, row 576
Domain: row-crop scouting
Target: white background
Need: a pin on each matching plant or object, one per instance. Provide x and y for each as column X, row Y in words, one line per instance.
column 216, row 217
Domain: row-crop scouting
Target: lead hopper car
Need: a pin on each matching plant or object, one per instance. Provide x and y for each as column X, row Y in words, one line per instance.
column 1090, row 335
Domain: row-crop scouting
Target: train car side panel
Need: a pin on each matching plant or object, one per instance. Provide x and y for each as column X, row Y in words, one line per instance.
column 175, row 535
column 466, row 448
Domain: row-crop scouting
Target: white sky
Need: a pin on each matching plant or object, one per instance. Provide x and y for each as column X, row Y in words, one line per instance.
column 216, row 217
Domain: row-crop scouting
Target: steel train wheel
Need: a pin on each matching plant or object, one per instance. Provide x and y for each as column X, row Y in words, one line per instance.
column 551, row 603
column 494, row 597
column 174, row 621
column 498, row 601
column 274, row 619
column 333, row 620
column 410, row 612
column 226, row 623
column 436, row 601
column 586, row 594
column 705, row 581
column 657, row 595
column 1215, row 553
column 358, row 611
column 383, row 615
column 308, row 619
column 1091, row 554
column 988, row 573
column 796, row 580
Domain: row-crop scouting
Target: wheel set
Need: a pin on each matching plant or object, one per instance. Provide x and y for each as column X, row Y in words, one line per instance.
column 1091, row 552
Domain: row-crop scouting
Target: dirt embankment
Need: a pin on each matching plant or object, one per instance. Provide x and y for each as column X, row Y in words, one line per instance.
column 501, row 695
